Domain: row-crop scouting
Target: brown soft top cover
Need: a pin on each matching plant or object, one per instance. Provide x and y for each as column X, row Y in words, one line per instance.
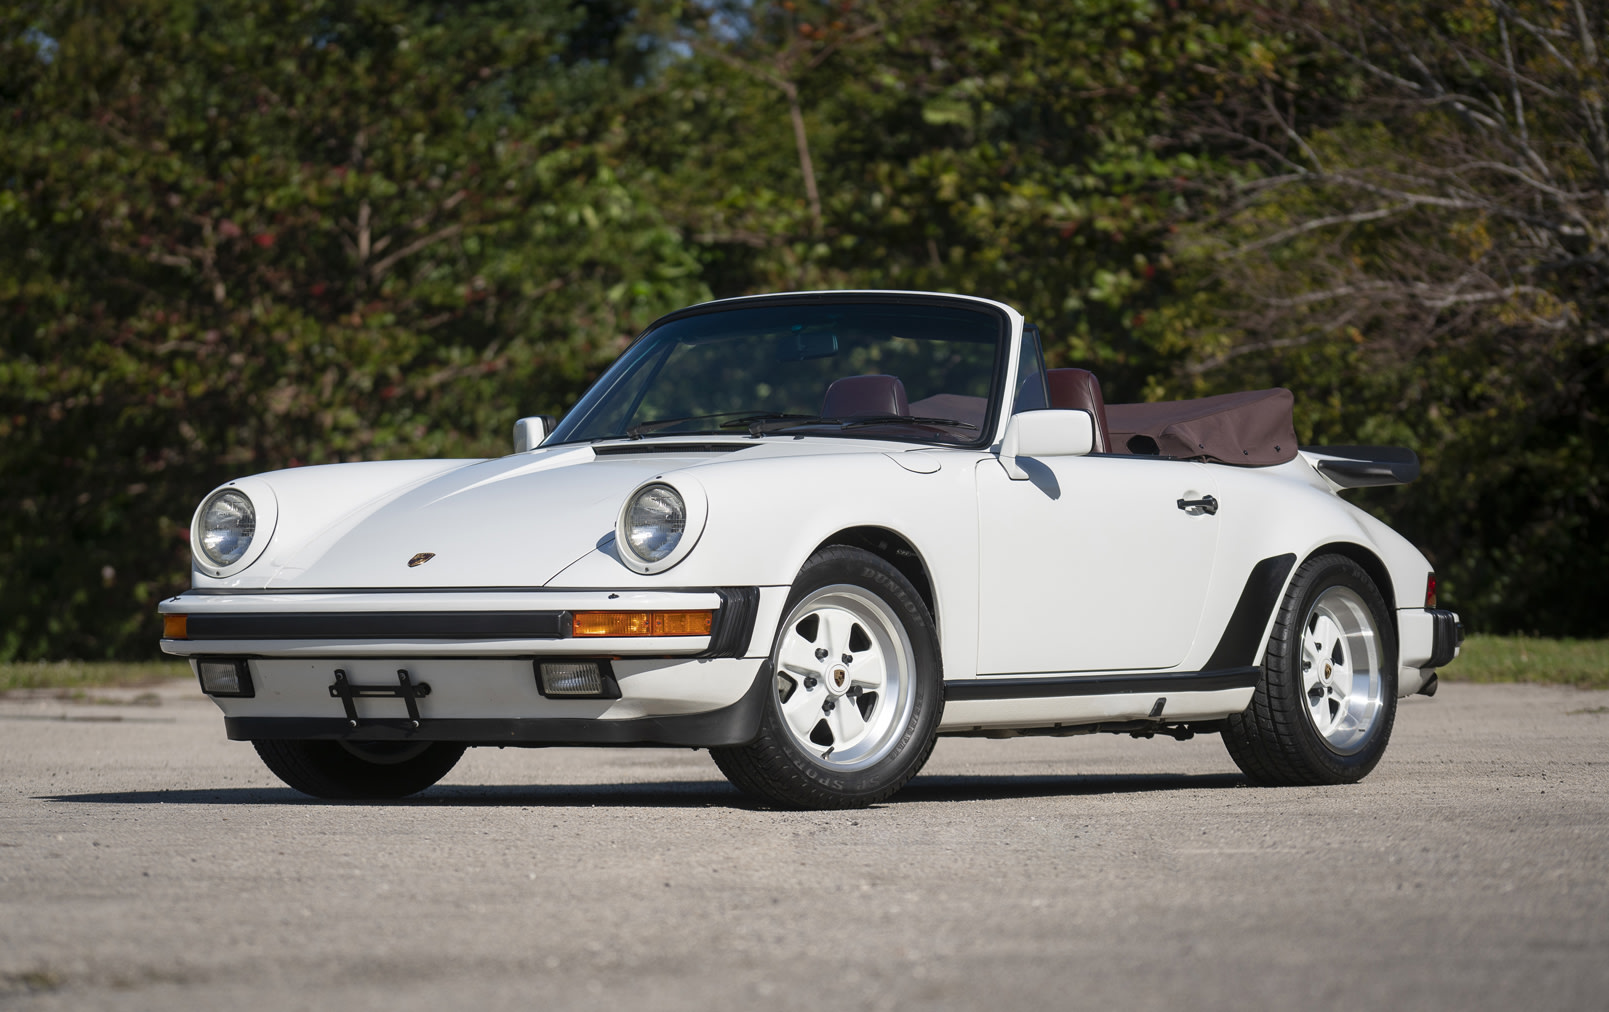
column 1253, row 429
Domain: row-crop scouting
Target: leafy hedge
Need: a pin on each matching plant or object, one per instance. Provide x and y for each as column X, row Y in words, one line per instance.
column 251, row 234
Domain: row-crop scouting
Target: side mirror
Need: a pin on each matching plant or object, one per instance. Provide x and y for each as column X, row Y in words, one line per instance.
column 1045, row 434
column 529, row 432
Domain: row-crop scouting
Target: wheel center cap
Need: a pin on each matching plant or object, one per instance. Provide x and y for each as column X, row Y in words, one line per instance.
column 838, row 679
column 1327, row 668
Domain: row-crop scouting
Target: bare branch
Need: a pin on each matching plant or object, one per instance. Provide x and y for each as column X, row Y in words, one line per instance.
column 1315, row 224
column 1272, row 344
column 1523, row 176
column 382, row 267
column 1289, row 130
column 1434, row 296
column 1588, row 46
column 1539, row 33
column 1514, row 87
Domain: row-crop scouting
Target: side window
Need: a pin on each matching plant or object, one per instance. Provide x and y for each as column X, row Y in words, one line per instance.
column 1031, row 392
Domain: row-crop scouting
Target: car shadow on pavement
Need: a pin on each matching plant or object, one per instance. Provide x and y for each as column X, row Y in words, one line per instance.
column 681, row 793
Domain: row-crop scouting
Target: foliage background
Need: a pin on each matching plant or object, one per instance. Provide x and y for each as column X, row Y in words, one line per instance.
column 251, row 234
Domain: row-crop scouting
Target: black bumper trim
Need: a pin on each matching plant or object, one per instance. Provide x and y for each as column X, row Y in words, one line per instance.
column 730, row 633
column 737, row 724
column 993, row 687
column 734, row 623
column 1447, row 637
column 400, row 625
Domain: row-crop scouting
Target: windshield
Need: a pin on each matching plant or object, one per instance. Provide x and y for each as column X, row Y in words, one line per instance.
column 905, row 369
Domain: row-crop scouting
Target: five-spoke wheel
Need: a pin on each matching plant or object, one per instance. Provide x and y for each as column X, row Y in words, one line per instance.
column 1325, row 702
column 1341, row 669
column 857, row 689
column 844, row 676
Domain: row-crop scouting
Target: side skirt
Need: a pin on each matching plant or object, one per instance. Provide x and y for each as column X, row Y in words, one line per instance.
column 1177, row 704
column 995, row 687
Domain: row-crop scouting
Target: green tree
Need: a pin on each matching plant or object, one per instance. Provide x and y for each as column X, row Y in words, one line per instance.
column 1416, row 240
column 1025, row 151
column 254, row 234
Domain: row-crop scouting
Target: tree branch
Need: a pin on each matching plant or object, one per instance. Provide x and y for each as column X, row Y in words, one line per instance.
column 382, row 267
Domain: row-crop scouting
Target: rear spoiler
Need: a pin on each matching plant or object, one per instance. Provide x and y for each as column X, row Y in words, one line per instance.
column 1363, row 466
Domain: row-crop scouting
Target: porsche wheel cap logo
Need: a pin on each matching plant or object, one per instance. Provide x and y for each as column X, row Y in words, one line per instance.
column 421, row 559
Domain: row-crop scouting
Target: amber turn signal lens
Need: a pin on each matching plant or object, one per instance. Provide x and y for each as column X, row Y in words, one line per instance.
column 175, row 627
column 610, row 623
column 643, row 623
column 682, row 623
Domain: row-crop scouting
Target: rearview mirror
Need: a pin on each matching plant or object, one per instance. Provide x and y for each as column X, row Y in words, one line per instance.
column 529, row 432
column 802, row 346
column 1051, row 433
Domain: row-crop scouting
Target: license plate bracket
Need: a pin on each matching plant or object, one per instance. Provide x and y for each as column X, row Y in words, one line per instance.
column 406, row 689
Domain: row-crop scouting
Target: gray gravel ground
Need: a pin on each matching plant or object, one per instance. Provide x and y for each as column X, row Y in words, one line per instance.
column 148, row 863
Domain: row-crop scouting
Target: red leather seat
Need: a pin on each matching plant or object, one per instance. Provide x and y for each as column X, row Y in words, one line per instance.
column 1079, row 390
column 854, row 396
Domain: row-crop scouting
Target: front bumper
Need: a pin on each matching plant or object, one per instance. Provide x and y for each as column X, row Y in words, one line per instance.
column 463, row 666
column 451, row 623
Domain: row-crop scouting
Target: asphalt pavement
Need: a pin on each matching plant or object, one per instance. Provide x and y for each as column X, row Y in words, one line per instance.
column 148, row 863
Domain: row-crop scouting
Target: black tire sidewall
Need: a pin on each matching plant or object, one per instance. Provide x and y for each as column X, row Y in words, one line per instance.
column 1319, row 575
column 325, row 769
column 862, row 569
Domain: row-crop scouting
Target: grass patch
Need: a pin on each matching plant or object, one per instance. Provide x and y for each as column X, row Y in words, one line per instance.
column 89, row 674
column 1582, row 663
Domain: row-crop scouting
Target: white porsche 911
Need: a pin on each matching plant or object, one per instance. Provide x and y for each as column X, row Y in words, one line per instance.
column 811, row 533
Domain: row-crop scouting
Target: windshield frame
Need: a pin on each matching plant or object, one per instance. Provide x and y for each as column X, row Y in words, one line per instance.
column 1005, row 349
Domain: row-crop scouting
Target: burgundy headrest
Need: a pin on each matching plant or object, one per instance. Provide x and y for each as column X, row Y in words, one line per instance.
column 865, row 395
column 1074, row 389
column 1079, row 390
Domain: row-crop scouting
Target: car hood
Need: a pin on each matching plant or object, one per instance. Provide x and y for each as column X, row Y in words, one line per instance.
column 511, row 522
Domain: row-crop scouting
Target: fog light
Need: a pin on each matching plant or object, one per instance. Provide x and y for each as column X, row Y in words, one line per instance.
column 576, row 679
column 225, row 677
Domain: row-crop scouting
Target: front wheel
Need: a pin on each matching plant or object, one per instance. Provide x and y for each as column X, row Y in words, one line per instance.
column 1325, row 702
column 349, row 771
column 857, row 690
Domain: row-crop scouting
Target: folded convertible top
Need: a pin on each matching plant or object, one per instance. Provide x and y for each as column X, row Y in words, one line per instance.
column 1253, row 428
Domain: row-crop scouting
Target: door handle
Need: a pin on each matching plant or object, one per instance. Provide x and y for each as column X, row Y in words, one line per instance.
column 1206, row 504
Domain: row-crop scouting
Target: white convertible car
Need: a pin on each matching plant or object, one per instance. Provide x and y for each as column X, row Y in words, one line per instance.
column 811, row 533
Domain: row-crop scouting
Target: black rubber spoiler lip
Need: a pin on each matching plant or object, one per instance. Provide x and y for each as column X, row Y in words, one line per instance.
column 1365, row 466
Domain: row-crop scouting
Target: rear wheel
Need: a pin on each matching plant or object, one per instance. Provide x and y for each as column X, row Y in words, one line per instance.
column 344, row 770
column 1325, row 703
column 857, row 690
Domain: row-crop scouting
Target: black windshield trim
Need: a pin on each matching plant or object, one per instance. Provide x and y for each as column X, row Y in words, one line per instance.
column 1005, row 350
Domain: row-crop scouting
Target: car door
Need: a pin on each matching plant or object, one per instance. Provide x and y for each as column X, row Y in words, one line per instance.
column 1092, row 565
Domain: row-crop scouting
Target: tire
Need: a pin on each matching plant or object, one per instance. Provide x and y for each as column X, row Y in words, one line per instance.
column 1325, row 702
column 859, row 690
column 349, row 771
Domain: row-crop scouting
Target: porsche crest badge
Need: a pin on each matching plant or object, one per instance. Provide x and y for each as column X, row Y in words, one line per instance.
column 421, row 559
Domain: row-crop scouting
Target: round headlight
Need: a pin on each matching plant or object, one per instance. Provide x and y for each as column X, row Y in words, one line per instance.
column 228, row 523
column 655, row 520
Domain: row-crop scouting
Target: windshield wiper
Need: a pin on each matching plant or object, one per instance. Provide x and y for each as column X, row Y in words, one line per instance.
column 757, row 421
column 761, row 422
column 637, row 431
column 757, row 424
column 853, row 423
